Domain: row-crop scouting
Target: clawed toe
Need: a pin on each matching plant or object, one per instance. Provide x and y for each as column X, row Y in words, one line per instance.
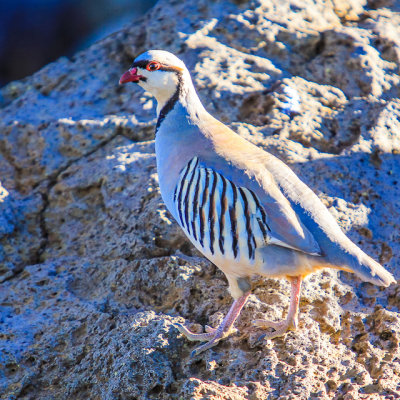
column 263, row 323
column 280, row 328
column 209, row 329
column 212, row 337
column 210, row 332
column 214, row 341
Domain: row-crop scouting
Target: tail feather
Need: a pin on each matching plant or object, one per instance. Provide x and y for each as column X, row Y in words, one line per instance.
column 373, row 272
column 355, row 260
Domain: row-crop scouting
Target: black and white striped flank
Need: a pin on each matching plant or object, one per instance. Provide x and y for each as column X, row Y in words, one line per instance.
column 222, row 218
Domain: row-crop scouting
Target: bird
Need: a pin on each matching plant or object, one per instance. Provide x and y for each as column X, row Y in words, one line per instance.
column 240, row 206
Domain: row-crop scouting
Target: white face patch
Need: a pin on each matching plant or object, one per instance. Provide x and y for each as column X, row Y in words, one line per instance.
column 161, row 84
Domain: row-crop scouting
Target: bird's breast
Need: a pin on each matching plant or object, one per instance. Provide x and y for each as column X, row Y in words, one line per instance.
column 177, row 142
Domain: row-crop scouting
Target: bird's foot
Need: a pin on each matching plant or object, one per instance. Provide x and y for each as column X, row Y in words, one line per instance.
column 203, row 337
column 212, row 337
column 291, row 321
column 280, row 328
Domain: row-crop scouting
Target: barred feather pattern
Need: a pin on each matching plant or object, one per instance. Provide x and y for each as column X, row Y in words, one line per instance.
column 220, row 217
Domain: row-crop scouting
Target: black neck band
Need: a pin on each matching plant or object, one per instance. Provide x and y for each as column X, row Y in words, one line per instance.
column 169, row 105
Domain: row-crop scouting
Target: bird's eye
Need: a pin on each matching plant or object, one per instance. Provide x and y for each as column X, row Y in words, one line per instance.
column 153, row 66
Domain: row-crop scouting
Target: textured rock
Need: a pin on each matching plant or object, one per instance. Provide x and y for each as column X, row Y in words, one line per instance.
column 94, row 271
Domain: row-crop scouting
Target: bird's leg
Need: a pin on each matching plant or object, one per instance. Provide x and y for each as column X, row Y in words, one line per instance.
column 213, row 336
column 291, row 321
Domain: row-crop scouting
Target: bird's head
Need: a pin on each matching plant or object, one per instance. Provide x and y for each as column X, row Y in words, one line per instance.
column 159, row 72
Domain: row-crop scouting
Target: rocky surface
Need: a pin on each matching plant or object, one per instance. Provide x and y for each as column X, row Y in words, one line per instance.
column 94, row 271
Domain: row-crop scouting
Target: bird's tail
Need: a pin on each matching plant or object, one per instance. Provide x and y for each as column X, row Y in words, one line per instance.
column 353, row 259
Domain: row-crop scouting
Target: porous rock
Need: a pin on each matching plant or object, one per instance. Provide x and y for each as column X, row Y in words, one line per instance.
column 94, row 270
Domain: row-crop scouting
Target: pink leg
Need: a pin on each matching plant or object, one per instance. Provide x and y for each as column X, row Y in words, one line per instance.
column 291, row 321
column 213, row 336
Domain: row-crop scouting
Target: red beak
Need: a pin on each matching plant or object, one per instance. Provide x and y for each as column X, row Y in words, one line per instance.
column 130, row 76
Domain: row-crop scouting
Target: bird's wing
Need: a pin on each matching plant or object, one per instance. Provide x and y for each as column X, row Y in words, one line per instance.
column 247, row 167
column 222, row 211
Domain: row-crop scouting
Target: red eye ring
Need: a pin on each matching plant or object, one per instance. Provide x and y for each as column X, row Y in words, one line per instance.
column 153, row 66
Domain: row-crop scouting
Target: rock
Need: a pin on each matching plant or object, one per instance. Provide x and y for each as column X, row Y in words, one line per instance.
column 94, row 270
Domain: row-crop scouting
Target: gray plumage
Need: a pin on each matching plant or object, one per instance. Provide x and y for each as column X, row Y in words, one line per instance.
column 243, row 208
